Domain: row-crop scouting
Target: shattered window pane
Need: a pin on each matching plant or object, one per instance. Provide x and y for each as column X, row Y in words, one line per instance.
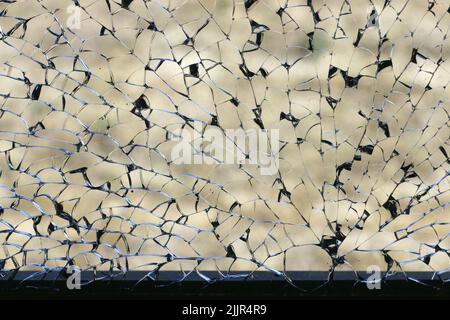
column 93, row 92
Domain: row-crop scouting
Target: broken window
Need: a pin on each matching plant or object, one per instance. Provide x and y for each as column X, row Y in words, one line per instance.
column 92, row 94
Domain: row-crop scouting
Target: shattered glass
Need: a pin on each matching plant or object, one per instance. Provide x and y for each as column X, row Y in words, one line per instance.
column 359, row 91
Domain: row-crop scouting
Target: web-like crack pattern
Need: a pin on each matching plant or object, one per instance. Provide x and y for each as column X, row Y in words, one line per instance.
column 91, row 93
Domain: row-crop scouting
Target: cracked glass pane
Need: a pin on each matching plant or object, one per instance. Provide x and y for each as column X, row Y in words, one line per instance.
column 95, row 96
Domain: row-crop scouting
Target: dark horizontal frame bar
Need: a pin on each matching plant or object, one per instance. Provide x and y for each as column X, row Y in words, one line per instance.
column 256, row 285
column 208, row 276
